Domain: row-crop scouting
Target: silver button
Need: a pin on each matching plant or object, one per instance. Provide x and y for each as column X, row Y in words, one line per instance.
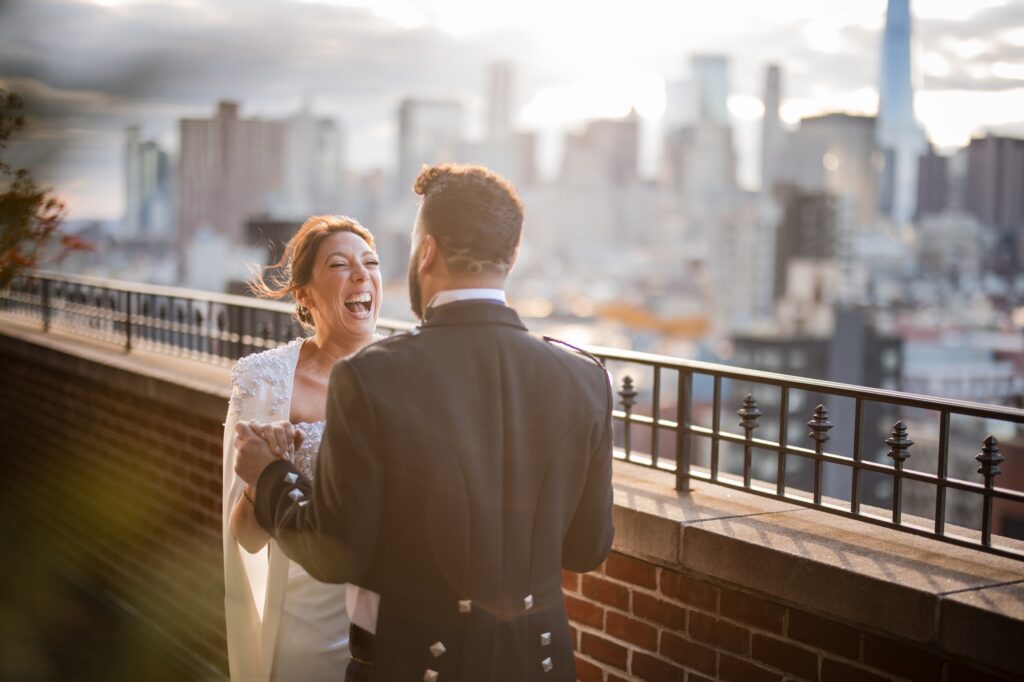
column 437, row 648
column 465, row 605
column 547, row 665
column 295, row 494
column 545, row 639
column 303, row 503
column 430, row 676
column 528, row 602
column 291, row 477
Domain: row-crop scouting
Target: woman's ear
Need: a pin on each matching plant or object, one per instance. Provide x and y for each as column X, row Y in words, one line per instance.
column 302, row 298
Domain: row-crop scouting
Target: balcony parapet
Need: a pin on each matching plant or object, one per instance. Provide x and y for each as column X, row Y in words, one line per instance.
column 955, row 602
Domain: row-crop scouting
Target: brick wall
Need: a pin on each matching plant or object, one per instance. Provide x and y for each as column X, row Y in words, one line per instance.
column 635, row 620
column 115, row 478
column 120, row 491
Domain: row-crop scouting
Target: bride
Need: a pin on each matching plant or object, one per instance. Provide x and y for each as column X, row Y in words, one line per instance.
column 281, row 623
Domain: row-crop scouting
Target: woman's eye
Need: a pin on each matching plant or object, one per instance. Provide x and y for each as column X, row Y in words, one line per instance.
column 339, row 265
column 372, row 263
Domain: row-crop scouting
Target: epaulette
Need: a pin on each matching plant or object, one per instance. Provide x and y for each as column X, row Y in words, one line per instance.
column 593, row 358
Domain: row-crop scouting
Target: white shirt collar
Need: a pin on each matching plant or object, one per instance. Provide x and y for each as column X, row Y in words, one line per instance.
column 453, row 295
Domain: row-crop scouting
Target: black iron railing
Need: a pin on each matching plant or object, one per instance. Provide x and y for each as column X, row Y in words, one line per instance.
column 672, row 414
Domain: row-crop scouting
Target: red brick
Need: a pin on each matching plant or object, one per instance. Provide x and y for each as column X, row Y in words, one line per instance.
column 587, row 671
column 574, row 634
column 694, row 677
column 689, row 590
column 570, row 581
column 959, row 672
column 630, row 570
column 646, row 667
column 900, row 659
column 690, row 654
column 663, row 612
column 839, row 671
column 823, row 634
column 784, row 656
column 584, row 612
column 606, row 592
column 736, row 670
column 752, row 611
column 718, row 633
column 631, row 630
column 603, row 650
column 612, row 677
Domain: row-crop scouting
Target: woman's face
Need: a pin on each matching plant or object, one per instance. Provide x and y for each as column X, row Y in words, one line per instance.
column 344, row 294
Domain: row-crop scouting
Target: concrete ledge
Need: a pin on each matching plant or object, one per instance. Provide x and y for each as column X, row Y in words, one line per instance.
column 199, row 388
column 963, row 601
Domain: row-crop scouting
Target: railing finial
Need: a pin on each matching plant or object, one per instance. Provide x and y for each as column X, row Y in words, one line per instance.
column 990, row 459
column 628, row 393
column 820, row 425
column 899, row 444
column 749, row 414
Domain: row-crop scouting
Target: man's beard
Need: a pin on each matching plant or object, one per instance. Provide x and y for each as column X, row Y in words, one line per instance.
column 415, row 290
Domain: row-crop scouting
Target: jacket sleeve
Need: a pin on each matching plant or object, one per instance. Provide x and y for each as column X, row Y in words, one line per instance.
column 329, row 526
column 589, row 538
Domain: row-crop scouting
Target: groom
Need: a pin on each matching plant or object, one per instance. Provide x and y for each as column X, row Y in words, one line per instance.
column 463, row 465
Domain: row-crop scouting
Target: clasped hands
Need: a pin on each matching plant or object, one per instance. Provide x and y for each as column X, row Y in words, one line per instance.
column 258, row 445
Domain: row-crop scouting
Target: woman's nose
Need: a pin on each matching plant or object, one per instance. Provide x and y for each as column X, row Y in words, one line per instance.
column 359, row 272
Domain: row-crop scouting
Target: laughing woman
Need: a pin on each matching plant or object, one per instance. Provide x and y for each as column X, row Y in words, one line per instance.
column 282, row 624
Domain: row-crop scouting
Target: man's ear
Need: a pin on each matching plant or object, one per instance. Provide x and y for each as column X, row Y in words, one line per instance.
column 428, row 253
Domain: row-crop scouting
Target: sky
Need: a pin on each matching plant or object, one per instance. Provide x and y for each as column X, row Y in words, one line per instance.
column 88, row 68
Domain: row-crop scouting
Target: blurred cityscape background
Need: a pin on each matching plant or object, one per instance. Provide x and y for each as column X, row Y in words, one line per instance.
column 771, row 197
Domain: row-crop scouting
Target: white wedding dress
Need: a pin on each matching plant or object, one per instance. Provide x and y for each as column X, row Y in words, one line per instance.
column 282, row 624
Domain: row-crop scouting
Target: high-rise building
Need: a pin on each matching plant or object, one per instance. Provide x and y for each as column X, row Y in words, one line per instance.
column 932, row 185
column 898, row 134
column 710, row 74
column 230, row 169
column 843, row 156
column 806, row 231
column 773, row 137
column 994, row 195
column 500, row 100
column 429, row 132
column 605, row 152
column 147, row 177
column 314, row 152
column 995, row 181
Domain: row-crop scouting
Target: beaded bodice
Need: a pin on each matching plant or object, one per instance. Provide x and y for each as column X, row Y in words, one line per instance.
column 305, row 457
column 274, row 368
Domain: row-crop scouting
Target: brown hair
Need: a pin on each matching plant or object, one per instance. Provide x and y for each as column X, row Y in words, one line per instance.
column 295, row 268
column 475, row 215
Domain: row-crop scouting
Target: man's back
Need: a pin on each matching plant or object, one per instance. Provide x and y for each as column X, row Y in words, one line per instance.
column 494, row 450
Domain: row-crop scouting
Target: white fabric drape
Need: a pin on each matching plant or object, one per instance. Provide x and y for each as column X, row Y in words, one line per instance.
column 254, row 583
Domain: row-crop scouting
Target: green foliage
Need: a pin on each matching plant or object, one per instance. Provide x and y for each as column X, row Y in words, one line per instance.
column 30, row 215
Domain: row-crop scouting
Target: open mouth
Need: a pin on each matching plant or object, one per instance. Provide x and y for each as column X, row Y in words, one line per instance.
column 360, row 304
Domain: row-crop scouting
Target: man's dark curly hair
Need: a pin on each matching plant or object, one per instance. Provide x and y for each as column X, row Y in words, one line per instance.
column 475, row 215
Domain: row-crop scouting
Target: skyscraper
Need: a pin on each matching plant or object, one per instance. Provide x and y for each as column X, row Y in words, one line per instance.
column 313, row 165
column 500, row 100
column 711, row 88
column 147, row 175
column 230, row 169
column 429, row 131
column 898, row 134
column 772, row 134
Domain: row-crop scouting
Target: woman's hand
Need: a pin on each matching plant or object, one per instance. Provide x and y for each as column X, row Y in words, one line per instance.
column 282, row 437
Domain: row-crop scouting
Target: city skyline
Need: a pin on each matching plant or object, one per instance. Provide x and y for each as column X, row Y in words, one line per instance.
column 970, row 70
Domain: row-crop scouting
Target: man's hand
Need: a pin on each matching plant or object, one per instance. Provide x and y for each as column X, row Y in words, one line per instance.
column 253, row 452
